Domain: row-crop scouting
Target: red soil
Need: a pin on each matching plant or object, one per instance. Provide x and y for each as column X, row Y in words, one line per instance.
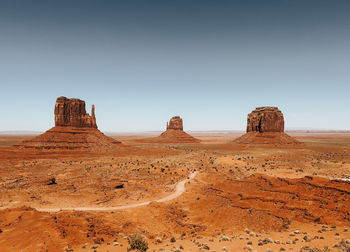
column 171, row 136
column 237, row 187
column 260, row 202
column 71, row 138
column 268, row 138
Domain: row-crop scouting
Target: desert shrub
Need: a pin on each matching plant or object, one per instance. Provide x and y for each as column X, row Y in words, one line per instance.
column 136, row 242
column 312, row 249
column 343, row 245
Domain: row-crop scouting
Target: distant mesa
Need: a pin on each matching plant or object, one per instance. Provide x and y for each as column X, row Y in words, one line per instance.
column 175, row 123
column 74, row 129
column 265, row 125
column 174, row 134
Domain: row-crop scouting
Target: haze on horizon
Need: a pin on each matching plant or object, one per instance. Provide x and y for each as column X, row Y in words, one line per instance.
column 142, row 62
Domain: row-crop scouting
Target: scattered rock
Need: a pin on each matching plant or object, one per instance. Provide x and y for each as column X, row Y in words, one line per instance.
column 119, row 186
column 52, row 181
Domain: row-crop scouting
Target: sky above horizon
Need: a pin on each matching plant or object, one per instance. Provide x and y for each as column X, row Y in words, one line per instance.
column 142, row 62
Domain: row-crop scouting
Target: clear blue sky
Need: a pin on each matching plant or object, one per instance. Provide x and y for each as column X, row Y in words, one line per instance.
column 141, row 62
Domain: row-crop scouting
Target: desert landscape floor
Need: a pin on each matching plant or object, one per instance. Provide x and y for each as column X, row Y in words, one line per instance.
column 210, row 196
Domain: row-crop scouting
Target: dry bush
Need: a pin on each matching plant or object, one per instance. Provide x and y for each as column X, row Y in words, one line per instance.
column 136, row 242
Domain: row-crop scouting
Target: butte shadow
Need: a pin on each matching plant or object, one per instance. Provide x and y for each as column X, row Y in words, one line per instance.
column 74, row 130
column 174, row 134
column 265, row 126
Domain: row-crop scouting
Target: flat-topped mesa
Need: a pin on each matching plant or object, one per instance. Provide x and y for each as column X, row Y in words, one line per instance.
column 175, row 123
column 72, row 112
column 265, row 125
column 265, row 119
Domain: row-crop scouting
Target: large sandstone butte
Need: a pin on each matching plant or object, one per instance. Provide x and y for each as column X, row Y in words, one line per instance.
column 265, row 119
column 265, row 125
column 74, row 129
column 71, row 112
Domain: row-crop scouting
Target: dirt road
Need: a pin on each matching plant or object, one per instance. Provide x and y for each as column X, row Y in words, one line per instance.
column 180, row 188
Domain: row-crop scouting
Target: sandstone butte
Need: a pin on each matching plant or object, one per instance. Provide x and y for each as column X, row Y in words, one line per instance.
column 71, row 112
column 265, row 125
column 74, row 129
column 174, row 132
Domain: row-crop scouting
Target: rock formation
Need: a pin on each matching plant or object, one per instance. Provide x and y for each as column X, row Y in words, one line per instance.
column 74, row 129
column 71, row 112
column 175, row 123
column 174, row 133
column 265, row 125
column 265, row 119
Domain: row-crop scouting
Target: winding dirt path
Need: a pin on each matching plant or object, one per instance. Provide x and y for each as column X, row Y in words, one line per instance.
column 180, row 188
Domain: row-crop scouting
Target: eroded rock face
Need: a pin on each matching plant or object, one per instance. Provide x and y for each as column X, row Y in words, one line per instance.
column 175, row 123
column 71, row 112
column 265, row 119
column 74, row 130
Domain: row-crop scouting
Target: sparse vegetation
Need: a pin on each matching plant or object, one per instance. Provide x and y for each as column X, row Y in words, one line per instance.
column 312, row 249
column 230, row 177
column 343, row 245
column 137, row 242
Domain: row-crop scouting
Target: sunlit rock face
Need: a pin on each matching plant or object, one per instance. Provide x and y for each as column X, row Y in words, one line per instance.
column 265, row 119
column 74, row 130
column 72, row 112
column 175, row 123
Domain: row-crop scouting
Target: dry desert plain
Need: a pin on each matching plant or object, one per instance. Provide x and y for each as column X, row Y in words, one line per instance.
column 238, row 198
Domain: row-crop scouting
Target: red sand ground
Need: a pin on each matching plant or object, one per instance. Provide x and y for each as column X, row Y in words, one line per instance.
column 267, row 138
column 71, row 138
column 272, row 191
column 171, row 136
